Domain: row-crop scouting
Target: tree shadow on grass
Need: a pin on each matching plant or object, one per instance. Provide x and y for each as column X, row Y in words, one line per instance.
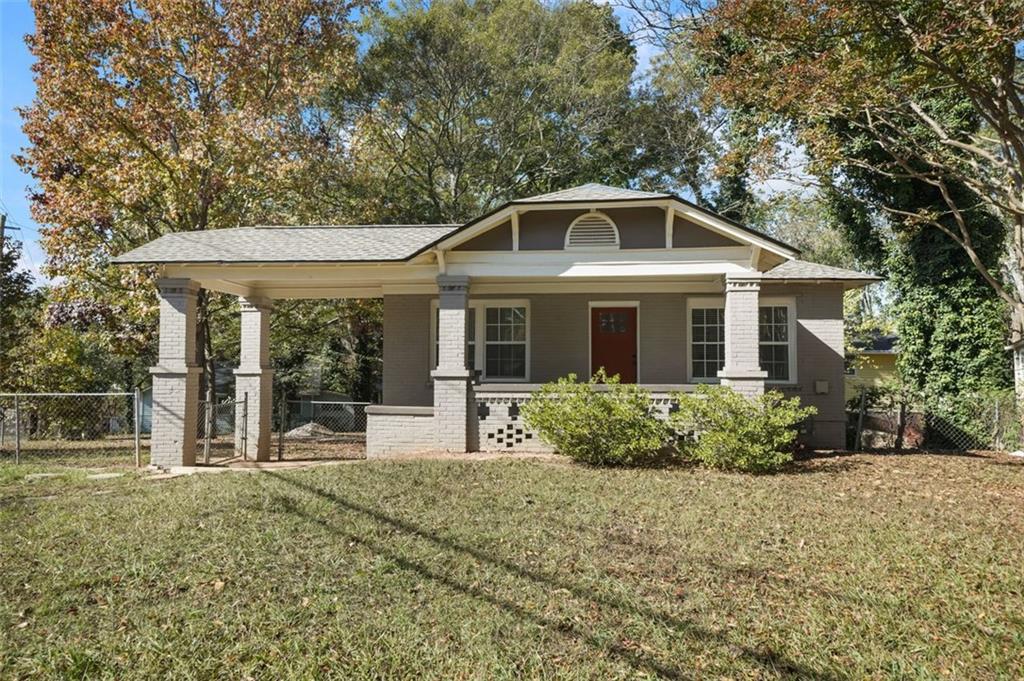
column 640, row 660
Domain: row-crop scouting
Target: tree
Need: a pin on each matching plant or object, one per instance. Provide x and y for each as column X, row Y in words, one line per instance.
column 162, row 116
column 912, row 90
column 19, row 308
column 452, row 115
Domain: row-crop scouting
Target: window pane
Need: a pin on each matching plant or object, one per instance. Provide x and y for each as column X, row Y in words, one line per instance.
column 775, row 361
column 506, row 324
column 506, row 361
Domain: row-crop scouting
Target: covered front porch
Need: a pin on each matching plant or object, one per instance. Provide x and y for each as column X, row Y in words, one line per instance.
column 462, row 353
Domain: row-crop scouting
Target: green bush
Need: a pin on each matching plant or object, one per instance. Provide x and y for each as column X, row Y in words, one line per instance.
column 611, row 424
column 720, row 428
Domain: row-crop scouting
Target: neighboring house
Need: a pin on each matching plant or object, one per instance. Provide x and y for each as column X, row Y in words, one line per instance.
column 476, row 316
column 871, row 364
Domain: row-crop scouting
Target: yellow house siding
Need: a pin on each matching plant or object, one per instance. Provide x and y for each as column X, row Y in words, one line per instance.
column 872, row 371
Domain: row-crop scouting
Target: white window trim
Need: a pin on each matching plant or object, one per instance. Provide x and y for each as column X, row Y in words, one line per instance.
column 590, row 329
column 480, row 305
column 691, row 304
column 719, row 303
column 789, row 303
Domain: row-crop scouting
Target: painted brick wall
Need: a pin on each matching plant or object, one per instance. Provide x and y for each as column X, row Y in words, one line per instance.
column 820, row 353
column 391, row 434
column 559, row 331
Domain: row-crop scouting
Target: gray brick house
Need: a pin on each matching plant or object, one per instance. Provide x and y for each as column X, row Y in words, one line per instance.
column 646, row 285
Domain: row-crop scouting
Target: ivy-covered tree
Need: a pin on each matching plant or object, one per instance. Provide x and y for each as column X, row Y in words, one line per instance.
column 923, row 93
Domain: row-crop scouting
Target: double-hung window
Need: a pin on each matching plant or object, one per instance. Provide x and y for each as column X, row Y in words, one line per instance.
column 773, row 341
column 707, row 342
column 776, row 339
column 505, row 342
column 503, row 330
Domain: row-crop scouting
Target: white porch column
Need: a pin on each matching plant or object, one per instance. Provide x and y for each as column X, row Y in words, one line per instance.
column 742, row 370
column 176, row 377
column 452, row 391
column 254, row 380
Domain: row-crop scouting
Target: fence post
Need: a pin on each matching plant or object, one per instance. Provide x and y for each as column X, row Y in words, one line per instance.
column 245, row 426
column 17, row 430
column 860, row 422
column 3, row 426
column 282, row 411
column 137, row 417
column 207, row 429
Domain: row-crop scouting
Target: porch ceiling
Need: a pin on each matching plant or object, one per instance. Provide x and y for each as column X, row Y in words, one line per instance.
column 690, row 270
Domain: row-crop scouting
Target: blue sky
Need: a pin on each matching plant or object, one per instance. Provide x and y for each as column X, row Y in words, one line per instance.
column 16, row 89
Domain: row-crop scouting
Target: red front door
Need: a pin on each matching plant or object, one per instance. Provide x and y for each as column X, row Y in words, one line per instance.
column 613, row 341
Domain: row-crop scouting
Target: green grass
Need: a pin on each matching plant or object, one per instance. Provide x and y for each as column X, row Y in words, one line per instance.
column 856, row 567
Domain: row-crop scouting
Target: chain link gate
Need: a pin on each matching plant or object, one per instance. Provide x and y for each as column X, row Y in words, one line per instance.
column 320, row 429
column 223, row 432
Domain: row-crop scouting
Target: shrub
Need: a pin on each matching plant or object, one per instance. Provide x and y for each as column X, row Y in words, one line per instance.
column 612, row 424
column 720, row 428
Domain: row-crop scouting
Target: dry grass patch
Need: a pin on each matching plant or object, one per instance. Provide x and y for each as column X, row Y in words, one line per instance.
column 850, row 567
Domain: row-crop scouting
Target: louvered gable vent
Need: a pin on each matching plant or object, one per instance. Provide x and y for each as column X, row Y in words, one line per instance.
column 592, row 230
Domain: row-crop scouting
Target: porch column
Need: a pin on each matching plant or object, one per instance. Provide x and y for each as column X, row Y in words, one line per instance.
column 254, row 380
column 742, row 370
column 451, row 378
column 176, row 377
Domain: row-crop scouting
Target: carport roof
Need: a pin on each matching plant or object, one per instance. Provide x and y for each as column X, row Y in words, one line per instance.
column 314, row 244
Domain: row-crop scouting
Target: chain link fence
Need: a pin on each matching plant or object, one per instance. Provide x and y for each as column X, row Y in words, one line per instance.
column 311, row 429
column 975, row 421
column 86, row 429
column 969, row 421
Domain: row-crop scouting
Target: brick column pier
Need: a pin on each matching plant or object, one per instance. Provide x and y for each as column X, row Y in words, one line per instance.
column 742, row 370
column 176, row 377
column 254, row 379
column 452, row 391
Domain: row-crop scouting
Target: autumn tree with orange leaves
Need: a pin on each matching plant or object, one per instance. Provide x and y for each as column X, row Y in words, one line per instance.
column 159, row 116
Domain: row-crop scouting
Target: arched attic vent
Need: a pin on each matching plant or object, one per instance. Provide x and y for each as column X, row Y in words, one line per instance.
column 592, row 230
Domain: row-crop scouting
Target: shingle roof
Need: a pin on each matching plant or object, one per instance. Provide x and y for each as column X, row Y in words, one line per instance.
column 592, row 192
column 334, row 243
column 801, row 269
column 876, row 343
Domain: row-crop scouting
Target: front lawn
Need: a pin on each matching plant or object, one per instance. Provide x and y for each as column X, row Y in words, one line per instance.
column 852, row 567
